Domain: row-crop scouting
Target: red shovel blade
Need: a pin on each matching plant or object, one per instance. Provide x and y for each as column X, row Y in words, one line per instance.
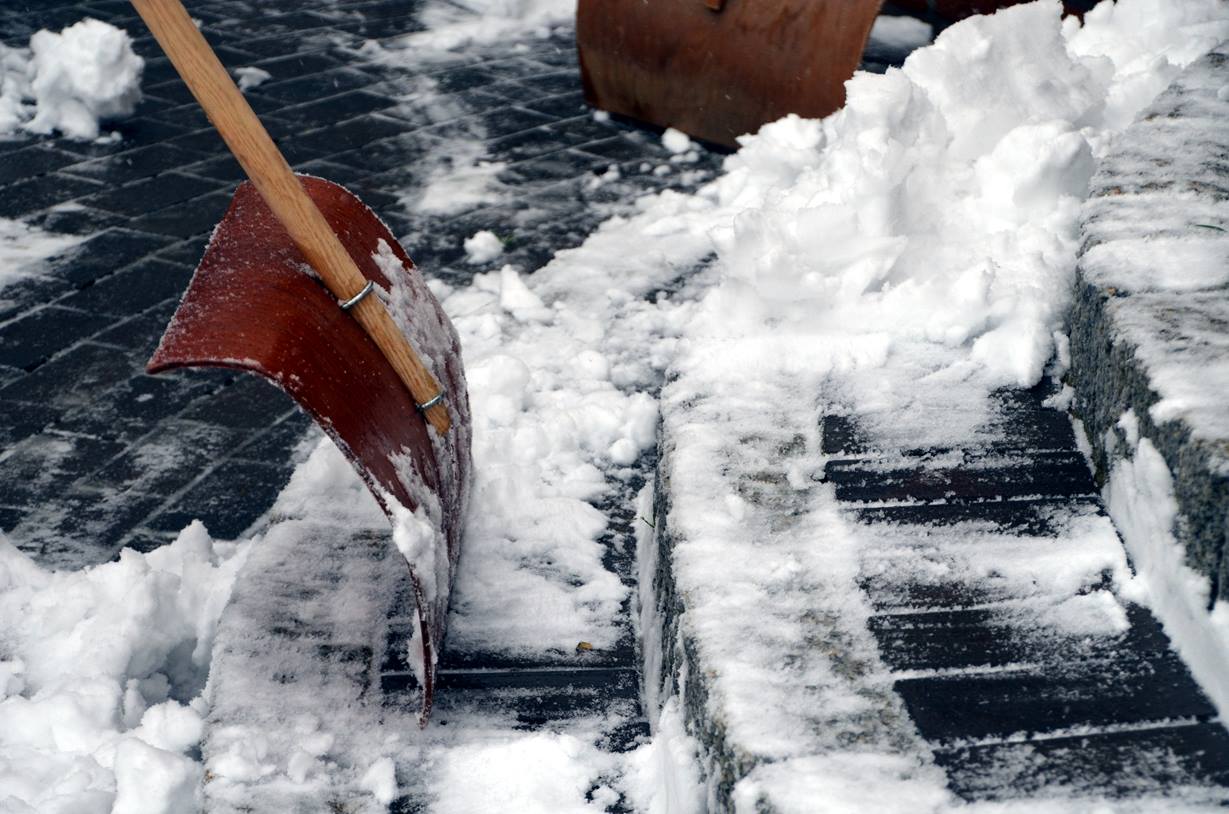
column 254, row 304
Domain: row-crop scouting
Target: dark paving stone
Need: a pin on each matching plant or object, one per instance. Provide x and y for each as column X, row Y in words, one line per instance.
column 87, row 522
column 27, row 342
column 563, row 106
column 509, row 120
column 337, row 108
column 157, row 70
column 285, row 67
column 29, row 196
column 134, row 165
column 219, row 168
column 167, row 460
column 342, row 174
column 189, row 251
column 21, row 420
column 347, row 135
column 172, row 90
column 204, row 140
column 1132, row 680
column 25, row 295
column 73, row 378
column 9, row 518
column 1110, row 764
column 945, row 640
column 585, row 129
column 44, row 465
column 401, row 151
column 136, row 288
column 134, row 132
column 553, row 83
column 106, row 253
column 314, row 86
column 227, row 500
column 536, row 697
column 186, row 115
column 618, row 149
column 74, row 219
column 140, row 334
column 465, row 78
column 131, row 408
column 1037, row 518
column 1063, row 474
column 560, row 166
column 153, row 194
column 28, row 162
column 193, row 218
column 887, row 593
column 278, row 442
column 250, row 402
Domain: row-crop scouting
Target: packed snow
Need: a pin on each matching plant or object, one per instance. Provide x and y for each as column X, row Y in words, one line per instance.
column 70, row 82
column 902, row 258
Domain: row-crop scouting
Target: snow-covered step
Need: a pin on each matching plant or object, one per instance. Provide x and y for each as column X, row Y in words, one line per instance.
column 1002, row 674
column 991, row 630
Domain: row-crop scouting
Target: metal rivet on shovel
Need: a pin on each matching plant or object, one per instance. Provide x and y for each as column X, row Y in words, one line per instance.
column 334, row 348
column 263, row 162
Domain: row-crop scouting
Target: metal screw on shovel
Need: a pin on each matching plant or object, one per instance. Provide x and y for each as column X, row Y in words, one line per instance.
column 264, row 164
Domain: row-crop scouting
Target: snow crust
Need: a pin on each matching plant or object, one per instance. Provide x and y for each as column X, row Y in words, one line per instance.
column 70, row 81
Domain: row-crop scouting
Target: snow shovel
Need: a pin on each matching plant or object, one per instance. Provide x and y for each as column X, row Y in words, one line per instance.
column 303, row 284
column 717, row 69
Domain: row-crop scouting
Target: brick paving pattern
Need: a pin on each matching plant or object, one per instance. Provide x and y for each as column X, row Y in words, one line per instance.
column 96, row 455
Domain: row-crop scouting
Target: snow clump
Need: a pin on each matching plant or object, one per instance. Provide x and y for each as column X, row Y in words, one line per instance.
column 251, row 77
column 483, row 247
column 70, row 81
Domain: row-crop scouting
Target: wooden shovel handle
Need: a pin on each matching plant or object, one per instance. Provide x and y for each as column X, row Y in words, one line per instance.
column 247, row 139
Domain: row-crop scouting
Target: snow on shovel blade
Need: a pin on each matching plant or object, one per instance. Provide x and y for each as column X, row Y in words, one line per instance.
column 255, row 304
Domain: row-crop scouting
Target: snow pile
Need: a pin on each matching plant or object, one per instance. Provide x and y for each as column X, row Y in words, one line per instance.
column 24, row 250
column 70, row 81
column 932, row 223
column 101, row 675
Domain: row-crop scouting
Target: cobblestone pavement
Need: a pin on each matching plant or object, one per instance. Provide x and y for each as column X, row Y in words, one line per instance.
column 94, row 454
